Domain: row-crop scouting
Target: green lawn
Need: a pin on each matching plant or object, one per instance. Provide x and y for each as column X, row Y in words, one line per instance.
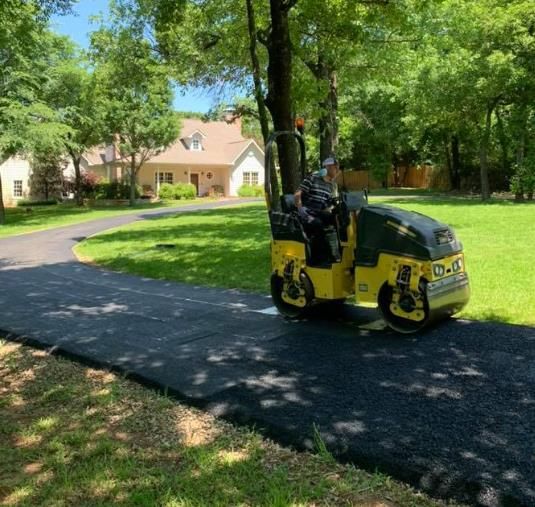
column 230, row 248
column 19, row 220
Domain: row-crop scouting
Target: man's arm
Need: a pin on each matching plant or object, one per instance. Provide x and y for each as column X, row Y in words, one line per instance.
column 304, row 188
column 298, row 196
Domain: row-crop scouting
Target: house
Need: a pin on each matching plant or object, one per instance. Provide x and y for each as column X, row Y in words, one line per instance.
column 16, row 178
column 210, row 155
column 15, row 174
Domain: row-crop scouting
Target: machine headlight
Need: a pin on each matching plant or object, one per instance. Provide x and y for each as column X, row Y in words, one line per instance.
column 457, row 265
column 438, row 269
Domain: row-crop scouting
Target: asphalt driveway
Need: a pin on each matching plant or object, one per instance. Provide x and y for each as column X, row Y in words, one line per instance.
column 451, row 410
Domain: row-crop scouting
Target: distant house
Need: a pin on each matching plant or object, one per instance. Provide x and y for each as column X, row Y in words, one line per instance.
column 213, row 156
column 15, row 173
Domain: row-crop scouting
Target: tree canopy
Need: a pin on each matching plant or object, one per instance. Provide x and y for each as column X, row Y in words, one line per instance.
column 28, row 50
column 383, row 84
column 139, row 120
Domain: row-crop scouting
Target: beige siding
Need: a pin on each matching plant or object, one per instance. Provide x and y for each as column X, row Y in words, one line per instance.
column 14, row 169
column 147, row 174
column 181, row 173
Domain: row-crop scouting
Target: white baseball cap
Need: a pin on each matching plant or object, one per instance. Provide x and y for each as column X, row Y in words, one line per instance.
column 330, row 161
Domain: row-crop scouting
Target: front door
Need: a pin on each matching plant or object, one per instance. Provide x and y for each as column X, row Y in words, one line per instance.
column 194, row 180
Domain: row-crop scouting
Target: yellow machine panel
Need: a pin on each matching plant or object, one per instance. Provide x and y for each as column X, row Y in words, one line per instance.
column 334, row 283
column 369, row 280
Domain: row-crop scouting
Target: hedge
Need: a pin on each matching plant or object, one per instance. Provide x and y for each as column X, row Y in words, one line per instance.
column 115, row 190
column 177, row 191
column 251, row 191
column 29, row 202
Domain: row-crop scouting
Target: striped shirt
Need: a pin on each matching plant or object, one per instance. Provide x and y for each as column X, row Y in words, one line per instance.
column 317, row 193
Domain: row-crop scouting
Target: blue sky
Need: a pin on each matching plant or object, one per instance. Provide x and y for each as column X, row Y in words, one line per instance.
column 78, row 25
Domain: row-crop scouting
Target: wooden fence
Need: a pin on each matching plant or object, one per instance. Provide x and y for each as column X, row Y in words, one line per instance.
column 411, row 177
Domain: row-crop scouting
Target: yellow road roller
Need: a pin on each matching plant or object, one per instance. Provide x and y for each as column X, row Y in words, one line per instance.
column 408, row 264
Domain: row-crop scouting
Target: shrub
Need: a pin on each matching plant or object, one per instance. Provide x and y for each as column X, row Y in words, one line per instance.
column 28, row 202
column 89, row 182
column 251, row 191
column 46, row 175
column 185, row 191
column 114, row 190
column 517, row 187
column 167, row 191
column 523, row 180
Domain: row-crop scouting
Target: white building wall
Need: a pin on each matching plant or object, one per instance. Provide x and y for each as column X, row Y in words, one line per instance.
column 251, row 160
column 12, row 170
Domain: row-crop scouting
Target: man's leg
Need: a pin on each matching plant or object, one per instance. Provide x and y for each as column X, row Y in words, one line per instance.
column 330, row 237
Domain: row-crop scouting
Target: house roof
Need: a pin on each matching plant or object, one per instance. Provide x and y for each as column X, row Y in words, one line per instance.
column 96, row 155
column 222, row 145
column 191, row 134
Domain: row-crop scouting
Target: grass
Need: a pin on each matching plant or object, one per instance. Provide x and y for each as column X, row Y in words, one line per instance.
column 20, row 221
column 403, row 192
column 499, row 245
column 72, row 435
column 230, row 248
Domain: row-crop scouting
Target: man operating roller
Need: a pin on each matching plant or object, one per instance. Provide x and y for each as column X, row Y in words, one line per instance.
column 314, row 201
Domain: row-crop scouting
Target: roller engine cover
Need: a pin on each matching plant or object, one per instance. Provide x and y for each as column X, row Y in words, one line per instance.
column 384, row 229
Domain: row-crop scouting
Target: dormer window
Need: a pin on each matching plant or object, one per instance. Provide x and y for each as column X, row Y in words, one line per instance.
column 193, row 140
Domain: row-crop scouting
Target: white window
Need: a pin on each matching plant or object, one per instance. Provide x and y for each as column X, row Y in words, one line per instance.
column 17, row 188
column 250, row 178
column 196, row 145
column 161, row 177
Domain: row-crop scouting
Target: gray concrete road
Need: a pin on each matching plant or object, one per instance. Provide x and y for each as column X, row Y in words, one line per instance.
column 451, row 410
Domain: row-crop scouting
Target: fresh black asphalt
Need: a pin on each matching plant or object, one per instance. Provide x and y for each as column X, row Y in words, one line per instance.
column 450, row 410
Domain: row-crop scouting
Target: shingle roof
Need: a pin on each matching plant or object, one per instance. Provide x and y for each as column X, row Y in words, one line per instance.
column 222, row 144
column 96, row 155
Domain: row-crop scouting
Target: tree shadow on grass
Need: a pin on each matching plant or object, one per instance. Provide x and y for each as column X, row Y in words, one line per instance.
column 75, row 436
column 41, row 217
column 429, row 201
column 230, row 251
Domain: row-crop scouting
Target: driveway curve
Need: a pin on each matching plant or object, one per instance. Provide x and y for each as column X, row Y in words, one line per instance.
column 450, row 410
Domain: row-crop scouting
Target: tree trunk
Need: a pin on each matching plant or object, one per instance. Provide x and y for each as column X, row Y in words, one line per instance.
column 521, row 146
column 503, row 140
column 132, row 179
column 2, row 209
column 449, row 164
column 323, row 72
column 279, row 98
column 328, row 126
column 456, row 162
column 521, row 151
column 77, row 180
column 260, row 102
column 483, row 155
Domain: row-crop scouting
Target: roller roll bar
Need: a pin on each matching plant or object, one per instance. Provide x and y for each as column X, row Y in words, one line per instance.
column 269, row 154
